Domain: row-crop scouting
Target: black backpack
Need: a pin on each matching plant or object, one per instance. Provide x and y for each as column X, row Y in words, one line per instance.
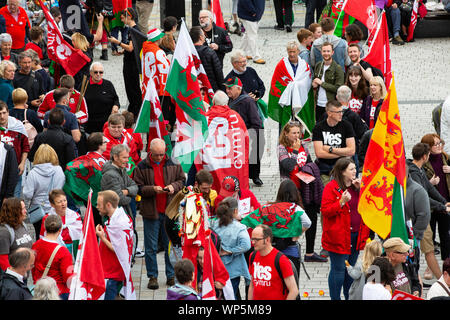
column 280, row 274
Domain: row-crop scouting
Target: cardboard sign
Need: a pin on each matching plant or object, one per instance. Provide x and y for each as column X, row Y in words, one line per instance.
column 401, row 295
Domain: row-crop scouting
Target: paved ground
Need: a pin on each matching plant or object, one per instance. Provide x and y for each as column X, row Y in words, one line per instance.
column 421, row 72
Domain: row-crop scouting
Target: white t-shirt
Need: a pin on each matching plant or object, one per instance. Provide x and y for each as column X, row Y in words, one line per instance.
column 322, row 94
column 375, row 291
column 436, row 289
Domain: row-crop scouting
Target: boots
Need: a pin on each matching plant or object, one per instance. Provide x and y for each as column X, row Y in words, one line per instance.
column 104, row 55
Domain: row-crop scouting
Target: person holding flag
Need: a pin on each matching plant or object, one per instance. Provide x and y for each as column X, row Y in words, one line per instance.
column 116, row 244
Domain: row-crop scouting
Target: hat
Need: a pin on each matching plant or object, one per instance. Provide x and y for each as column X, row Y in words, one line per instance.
column 233, row 81
column 154, row 34
column 230, row 184
column 396, row 244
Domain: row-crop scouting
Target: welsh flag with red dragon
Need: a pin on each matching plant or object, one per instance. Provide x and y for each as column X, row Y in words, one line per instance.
column 341, row 19
column 186, row 76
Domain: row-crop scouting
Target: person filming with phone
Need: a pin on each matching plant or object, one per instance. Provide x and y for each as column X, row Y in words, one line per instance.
column 159, row 179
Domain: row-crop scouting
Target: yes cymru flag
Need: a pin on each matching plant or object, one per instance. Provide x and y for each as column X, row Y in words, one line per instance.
column 89, row 281
column 383, row 183
column 186, row 77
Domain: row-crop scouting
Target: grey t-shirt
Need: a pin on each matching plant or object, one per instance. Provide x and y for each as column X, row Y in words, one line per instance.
column 22, row 238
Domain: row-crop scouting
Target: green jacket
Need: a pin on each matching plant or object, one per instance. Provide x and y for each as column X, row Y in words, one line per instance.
column 334, row 78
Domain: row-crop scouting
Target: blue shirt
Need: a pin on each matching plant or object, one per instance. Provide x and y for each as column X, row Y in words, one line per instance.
column 71, row 120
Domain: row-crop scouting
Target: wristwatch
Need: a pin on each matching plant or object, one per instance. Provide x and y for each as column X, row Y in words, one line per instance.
column 330, row 150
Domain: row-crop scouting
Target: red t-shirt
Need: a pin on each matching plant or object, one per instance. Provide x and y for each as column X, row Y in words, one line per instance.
column 49, row 103
column 267, row 284
column 62, row 266
column 373, row 109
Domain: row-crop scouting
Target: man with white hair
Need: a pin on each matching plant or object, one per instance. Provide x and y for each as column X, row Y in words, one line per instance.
column 159, row 179
column 217, row 38
column 246, row 106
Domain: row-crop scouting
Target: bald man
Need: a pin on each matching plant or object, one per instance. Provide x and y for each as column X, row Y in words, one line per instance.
column 159, row 178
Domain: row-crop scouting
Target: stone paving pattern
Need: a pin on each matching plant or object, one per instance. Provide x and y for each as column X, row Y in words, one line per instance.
column 421, row 72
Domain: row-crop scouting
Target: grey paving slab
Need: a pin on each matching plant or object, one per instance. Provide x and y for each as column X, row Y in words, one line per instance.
column 421, row 72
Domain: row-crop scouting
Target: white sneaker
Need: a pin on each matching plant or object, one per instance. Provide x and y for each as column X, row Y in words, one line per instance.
column 139, row 253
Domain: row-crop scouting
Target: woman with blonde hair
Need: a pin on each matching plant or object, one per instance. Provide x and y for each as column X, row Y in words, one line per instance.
column 45, row 176
column 21, row 111
column 372, row 250
column 372, row 103
column 80, row 42
column 7, row 72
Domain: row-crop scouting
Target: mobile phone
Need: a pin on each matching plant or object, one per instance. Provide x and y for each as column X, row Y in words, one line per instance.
column 166, row 189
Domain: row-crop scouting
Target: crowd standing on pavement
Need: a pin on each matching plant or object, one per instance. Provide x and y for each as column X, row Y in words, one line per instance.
column 62, row 134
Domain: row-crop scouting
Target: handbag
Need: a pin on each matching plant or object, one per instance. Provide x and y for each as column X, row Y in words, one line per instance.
column 36, row 211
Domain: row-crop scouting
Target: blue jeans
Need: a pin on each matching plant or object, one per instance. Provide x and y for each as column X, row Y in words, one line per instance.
column 396, row 20
column 115, row 34
column 447, row 7
column 112, row 289
column 18, row 188
column 235, row 284
column 152, row 228
column 338, row 277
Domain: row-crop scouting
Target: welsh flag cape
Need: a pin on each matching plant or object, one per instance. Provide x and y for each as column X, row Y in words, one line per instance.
column 82, row 174
column 89, row 280
column 226, row 149
column 292, row 96
column 150, row 118
column 383, row 183
column 282, row 217
column 183, row 85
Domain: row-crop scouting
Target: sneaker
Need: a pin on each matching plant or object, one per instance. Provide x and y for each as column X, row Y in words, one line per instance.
column 139, row 253
column 170, row 282
column 260, row 61
column 153, row 283
column 398, row 41
column 277, row 27
column 288, row 29
column 324, row 253
column 257, row 182
column 314, row 258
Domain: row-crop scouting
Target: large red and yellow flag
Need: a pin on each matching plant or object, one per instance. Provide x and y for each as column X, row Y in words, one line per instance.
column 383, row 183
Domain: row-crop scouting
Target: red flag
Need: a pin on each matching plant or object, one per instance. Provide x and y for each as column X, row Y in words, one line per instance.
column 363, row 10
column 89, row 280
column 71, row 59
column 412, row 24
column 379, row 54
column 120, row 5
column 217, row 12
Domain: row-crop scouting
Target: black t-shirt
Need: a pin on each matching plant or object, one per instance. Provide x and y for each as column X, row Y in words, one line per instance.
column 375, row 71
column 334, row 137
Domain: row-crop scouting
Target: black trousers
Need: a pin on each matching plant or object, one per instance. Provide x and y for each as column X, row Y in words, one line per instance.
column 257, row 143
column 312, row 210
column 168, row 110
column 132, row 87
column 442, row 222
column 313, row 7
column 285, row 19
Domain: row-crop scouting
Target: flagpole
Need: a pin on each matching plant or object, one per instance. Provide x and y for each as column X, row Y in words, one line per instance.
column 376, row 33
column 378, row 27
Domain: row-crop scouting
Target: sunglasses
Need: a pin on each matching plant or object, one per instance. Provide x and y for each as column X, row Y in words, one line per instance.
column 98, row 72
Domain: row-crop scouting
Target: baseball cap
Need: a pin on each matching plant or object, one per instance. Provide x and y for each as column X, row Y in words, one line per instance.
column 154, row 34
column 230, row 184
column 396, row 244
column 233, row 81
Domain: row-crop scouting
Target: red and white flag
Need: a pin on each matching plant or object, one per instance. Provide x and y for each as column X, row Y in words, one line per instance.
column 412, row 24
column 89, row 280
column 362, row 10
column 71, row 59
column 379, row 54
column 217, row 12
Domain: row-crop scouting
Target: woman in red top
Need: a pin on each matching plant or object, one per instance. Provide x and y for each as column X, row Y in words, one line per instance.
column 343, row 232
column 61, row 268
column 372, row 104
column 355, row 81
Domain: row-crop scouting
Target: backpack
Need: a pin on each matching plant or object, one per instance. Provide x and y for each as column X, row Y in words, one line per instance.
column 436, row 118
column 31, row 131
column 280, row 274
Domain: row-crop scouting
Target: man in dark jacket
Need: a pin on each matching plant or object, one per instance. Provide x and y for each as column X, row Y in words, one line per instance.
column 12, row 285
column 246, row 106
column 209, row 59
column 217, row 38
column 9, row 171
column 250, row 12
column 56, row 137
column 159, row 179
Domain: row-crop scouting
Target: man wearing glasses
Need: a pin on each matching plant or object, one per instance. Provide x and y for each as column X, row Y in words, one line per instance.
column 266, row 283
column 159, row 179
column 333, row 138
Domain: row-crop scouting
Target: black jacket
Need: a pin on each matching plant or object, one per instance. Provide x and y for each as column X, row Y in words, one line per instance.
column 60, row 141
column 13, row 289
column 222, row 39
column 10, row 174
column 247, row 109
column 32, row 83
column 437, row 202
column 212, row 66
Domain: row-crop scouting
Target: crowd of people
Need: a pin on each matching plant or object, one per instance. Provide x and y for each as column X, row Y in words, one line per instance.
column 63, row 135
